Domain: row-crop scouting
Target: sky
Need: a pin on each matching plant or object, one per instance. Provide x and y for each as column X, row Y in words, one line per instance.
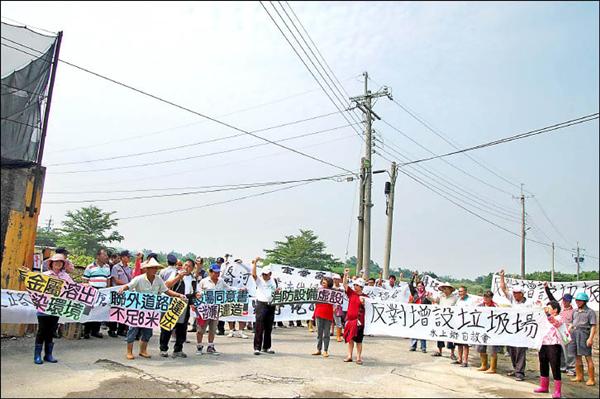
column 474, row 72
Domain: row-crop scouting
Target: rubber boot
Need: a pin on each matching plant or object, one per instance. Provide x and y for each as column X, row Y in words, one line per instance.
column 484, row 362
column 557, row 389
column 578, row 374
column 143, row 348
column 310, row 326
column 338, row 334
column 130, row 351
column 543, row 388
column 591, row 374
column 493, row 364
column 37, row 354
column 48, row 356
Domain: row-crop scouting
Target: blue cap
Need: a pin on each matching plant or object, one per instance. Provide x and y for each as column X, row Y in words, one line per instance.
column 582, row 296
column 567, row 297
column 171, row 258
column 215, row 268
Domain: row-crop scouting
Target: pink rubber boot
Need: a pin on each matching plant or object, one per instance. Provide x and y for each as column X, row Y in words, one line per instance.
column 543, row 388
column 557, row 389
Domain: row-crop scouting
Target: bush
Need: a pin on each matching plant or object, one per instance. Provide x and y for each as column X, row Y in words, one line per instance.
column 81, row 260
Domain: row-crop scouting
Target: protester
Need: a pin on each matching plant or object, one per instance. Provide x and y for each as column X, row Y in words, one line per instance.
column 483, row 350
column 518, row 355
column 241, row 324
column 113, row 259
column 446, row 298
column 354, row 328
column 569, row 351
column 463, row 349
column 221, row 324
column 418, row 296
column 338, row 310
column 324, row 317
column 69, row 266
column 182, row 283
column 47, row 324
column 121, row 275
column 98, row 276
column 148, row 282
column 390, row 283
column 137, row 267
column 550, row 352
column 583, row 332
column 371, row 282
column 265, row 311
column 212, row 282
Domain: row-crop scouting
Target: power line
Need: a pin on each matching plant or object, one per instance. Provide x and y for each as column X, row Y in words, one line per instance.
column 549, row 220
column 431, row 129
column 234, row 187
column 163, row 149
column 212, row 166
column 146, row 135
column 200, row 155
column 186, row 109
column 215, row 203
column 477, row 215
column 519, row 136
column 303, row 62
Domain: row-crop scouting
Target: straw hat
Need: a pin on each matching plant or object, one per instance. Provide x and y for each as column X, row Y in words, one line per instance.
column 151, row 263
column 446, row 285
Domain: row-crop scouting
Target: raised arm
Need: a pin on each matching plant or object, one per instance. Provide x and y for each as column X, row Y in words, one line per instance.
column 411, row 284
column 548, row 293
column 254, row 262
column 345, row 278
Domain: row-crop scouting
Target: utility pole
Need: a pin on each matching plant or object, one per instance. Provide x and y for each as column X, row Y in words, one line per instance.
column 523, row 231
column 49, row 224
column 552, row 275
column 578, row 258
column 389, row 211
column 364, row 103
column 361, row 217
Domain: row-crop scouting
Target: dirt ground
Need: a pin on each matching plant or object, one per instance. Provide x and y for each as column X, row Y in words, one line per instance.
column 98, row 368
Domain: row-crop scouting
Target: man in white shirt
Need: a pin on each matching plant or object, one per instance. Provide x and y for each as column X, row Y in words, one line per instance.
column 463, row 349
column 265, row 311
column 518, row 356
column 212, row 282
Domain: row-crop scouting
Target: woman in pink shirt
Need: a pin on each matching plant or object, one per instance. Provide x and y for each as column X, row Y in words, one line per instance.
column 47, row 324
column 551, row 351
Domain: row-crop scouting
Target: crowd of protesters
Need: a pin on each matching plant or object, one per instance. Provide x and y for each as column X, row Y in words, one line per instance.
column 564, row 348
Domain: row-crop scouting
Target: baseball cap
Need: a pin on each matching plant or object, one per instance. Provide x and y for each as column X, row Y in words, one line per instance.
column 171, row 258
column 220, row 260
column 517, row 289
column 360, row 282
column 125, row 253
column 215, row 268
column 567, row 297
column 266, row 270
column 337, row 276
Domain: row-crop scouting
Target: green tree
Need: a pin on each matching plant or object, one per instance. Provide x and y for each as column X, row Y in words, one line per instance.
column 47, row 237
column 86, row 229
column 303, row 251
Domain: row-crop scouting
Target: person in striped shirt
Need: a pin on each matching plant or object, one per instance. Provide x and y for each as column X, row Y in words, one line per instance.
column 98, row 276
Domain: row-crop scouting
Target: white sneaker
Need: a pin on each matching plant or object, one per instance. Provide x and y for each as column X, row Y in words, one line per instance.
column 242, row 335
column 199, row 349
column 231, row 334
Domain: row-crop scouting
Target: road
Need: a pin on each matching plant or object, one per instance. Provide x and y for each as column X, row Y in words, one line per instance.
column 98, row 368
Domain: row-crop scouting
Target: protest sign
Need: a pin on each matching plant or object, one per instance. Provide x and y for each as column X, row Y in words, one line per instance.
column 290, row 277
column 220, row 297
column 465, row 325
column 142, row 309
column 56, row 297
column 534, row 290
column 397, row 294
column 214, row 312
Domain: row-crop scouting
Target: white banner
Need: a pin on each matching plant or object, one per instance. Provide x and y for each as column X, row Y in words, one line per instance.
column 17, row 307
column 534, row 290
column 397, row 294
column 465, row 325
